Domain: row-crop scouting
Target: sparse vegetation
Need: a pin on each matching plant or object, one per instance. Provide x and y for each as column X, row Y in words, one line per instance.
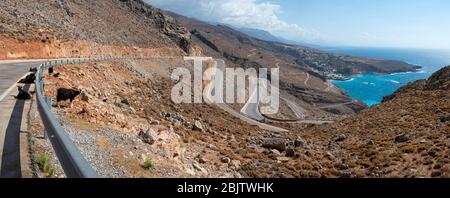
column 43, row 162
column 148, row 164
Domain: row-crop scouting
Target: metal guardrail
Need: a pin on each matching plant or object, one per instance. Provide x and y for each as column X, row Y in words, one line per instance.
column 71, row 159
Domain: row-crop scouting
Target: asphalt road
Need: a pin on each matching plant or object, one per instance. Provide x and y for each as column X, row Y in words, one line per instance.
column 251, row 108
column 11, row 72
column 12, row 115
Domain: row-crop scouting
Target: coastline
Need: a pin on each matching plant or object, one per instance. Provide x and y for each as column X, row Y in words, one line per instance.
column 377, row 85
column 352, row 77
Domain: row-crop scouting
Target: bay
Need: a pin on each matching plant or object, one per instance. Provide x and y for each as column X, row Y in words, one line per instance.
column 370, row 87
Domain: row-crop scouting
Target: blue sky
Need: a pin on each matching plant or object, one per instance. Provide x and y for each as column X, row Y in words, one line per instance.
column 371, row 23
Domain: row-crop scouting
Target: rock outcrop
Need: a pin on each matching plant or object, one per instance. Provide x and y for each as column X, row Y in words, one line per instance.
column 165, row 23
column 439, row 80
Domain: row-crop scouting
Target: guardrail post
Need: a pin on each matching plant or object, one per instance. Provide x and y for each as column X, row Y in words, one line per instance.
column 48, row 100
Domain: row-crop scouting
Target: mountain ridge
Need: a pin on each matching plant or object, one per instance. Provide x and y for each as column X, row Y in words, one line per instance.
column 328, row 64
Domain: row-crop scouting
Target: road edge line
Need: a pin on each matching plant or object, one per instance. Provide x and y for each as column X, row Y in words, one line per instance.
column 3, row 96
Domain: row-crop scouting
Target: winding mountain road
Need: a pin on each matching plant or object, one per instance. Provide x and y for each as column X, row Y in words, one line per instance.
column 308, row 76
column 330, row 87
column 253, row 107
column 298, row 111
column 252, row 53
column 252, row 110
column 337, row 105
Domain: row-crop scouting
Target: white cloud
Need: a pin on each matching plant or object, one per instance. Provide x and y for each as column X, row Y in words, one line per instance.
column 241, row 13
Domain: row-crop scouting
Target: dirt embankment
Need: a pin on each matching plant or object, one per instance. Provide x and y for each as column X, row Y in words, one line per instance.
column 19, row 49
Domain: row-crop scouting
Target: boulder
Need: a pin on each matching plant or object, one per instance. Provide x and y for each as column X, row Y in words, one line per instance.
column 436, row 174
column 299, row 142
column 283, row 159
column 201, row 159
column 444, row 118
column 423, row 141
column 278, row 144
column 345, row 174
column 290, row 152
column 274, row 152
column 236, row 164
column 84, row 96
column 201, row 169
column 197, row 126
column 148, row 136
column 225, row 160
column 154, row 122
column 401, row 138
column 340, row 138
column 211, row 146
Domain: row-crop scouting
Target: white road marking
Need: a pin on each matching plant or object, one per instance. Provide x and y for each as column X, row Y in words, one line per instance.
column 11, row 88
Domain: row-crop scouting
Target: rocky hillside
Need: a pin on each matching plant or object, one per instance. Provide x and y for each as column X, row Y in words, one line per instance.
column 297, row 79
column 39, row 29
column 406, row 136
column 72, row 28
column 126, row 125
column 120, row 123
column 438, row 81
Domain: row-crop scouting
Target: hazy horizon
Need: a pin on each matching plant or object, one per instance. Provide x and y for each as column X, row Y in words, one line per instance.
column 347, row 23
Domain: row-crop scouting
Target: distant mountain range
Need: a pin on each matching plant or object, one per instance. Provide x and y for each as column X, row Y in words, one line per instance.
column 267, row 36
column 260, row 34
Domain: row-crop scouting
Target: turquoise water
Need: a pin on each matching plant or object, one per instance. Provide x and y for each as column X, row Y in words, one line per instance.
column 370, row 88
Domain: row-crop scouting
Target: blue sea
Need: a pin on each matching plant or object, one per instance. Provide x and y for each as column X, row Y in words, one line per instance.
column 370, row 88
